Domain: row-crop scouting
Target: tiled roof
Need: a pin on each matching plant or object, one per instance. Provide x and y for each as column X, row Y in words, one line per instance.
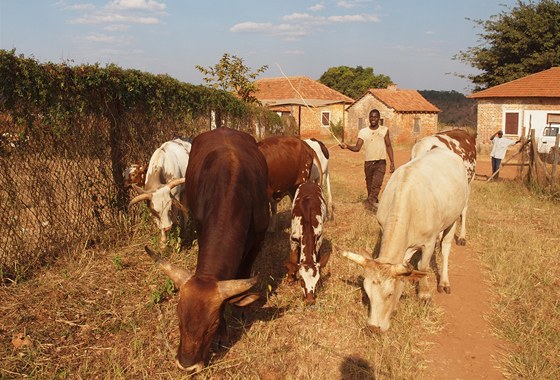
column 290, row 90
column 544, row 84
column 403, row 100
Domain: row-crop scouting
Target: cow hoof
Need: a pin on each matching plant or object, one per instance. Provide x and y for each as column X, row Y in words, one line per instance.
column 446, row 289
column 462, row 241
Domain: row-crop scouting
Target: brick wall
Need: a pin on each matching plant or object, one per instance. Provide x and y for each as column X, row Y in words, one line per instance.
column 490, row 115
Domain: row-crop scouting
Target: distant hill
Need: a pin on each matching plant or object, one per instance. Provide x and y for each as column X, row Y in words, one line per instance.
column 456, row 108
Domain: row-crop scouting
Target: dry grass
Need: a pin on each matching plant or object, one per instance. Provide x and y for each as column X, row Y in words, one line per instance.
column 92, row 314
column 518, row 236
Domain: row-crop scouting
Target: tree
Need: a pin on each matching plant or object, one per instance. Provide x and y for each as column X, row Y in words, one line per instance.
column 523, row 40
column 353, row 82
column 231, row 74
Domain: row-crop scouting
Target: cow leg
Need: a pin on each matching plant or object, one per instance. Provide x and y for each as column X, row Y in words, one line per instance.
column 462, row 239
column 424, row 265
column 330, row 206
column 446, row 241
column 273, row 216
column 292, row 264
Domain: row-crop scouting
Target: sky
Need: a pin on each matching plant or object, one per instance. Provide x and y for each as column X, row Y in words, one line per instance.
column 411, row 41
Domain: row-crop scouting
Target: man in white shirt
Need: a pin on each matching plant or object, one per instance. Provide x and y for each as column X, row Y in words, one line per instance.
column 501, row 144
column 378, row 146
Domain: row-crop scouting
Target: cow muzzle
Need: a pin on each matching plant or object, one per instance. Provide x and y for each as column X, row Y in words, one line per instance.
column 191, row 369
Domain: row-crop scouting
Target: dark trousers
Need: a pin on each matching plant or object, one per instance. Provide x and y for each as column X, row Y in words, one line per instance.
column 375, row 171
column 495, row 166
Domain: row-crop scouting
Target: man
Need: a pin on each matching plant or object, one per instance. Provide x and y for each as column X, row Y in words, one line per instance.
column 501, row 144
column 378, row 146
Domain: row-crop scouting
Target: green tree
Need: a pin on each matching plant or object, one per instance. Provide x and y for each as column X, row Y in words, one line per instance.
column 522, row 40
column 353, row 82
column 231, row 74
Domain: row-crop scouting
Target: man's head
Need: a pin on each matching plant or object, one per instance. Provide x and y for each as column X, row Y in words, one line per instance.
column 374, row 116
column 500, row 133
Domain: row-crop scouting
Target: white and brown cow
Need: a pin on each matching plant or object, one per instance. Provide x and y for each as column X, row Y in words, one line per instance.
column 321, row 168
column 309, row 211
column 461, row 143
column 226, row 184
column 163, row 189
column 289, row 161
column 135, row 175
column 420, row 205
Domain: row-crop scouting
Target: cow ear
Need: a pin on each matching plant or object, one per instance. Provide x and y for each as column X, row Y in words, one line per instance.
column 292, row 268
column 230, row 288
column 366, row 252
column 324, row 259
column 244, row 299
column 358, row 259
column 178, row 275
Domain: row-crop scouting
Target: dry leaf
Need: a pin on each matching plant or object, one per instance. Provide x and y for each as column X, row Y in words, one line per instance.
column 21, row 340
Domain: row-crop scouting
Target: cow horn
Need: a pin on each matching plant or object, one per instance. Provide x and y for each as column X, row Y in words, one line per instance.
column 178, row 275
column 358, row 259
column 175, row 182
column 142, row 197
column 179, row 205
column 230, row 288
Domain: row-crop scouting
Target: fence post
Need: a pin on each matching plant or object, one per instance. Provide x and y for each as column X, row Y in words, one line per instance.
column 555, row 158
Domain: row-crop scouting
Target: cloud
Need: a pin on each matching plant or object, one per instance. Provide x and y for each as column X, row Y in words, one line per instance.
column 106, row 39
column 317, row 7
column 298, row 25
column 345, row 4
column 148, row 5
column 294, row 52
column 78, row 7
column 106, row 18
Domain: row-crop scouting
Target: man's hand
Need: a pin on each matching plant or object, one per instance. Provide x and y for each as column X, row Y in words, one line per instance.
column 342, row 145
column 392, row 167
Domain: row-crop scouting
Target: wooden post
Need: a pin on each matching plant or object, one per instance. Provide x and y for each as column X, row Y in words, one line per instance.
column 555, row 158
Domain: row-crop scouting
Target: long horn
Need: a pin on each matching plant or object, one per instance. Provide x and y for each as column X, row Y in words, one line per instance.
column 178, row 275
column 357, row 258
column 230, row 288
column 175, row 182
column 141, row 197
column 401, row 269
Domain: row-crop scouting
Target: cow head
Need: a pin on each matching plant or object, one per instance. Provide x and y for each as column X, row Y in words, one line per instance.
column 160, row 204
column 383, row 285
column 199, row 307
column 135, row 174
column 310, row 276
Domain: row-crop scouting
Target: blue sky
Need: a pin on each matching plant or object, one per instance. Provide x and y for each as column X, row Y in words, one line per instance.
column 411, row 41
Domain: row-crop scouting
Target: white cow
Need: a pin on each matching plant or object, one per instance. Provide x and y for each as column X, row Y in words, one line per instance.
column 163, row 189
column 461, row 143
column 419, row 207
column 322, row 167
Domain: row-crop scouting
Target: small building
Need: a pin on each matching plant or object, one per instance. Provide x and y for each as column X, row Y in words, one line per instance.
column 515, row 107
column 313, row 105
column 407, row 114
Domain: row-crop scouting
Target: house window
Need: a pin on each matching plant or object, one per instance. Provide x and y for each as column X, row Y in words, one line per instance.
column 416, row 127
column 511, row 123
column 361, row 123
column 325, row 118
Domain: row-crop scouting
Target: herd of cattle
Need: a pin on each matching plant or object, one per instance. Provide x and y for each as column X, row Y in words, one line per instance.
column 228, row 184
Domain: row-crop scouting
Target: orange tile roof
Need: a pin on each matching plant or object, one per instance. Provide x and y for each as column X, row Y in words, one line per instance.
column 544, row 84
column 282, row 90
column 403, row 100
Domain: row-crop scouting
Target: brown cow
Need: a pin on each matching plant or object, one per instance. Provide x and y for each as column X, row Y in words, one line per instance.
column 289, row 162
column 226, row 193
column 135, row 174
column 461, row 143
column 309, row 211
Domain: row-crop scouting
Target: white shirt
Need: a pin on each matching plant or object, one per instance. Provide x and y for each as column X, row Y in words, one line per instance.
column 374, row 143
column 500, row 147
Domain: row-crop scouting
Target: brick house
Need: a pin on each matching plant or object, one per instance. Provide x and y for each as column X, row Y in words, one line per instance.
column 407, row 114
column 312, row 104
column 531, row 102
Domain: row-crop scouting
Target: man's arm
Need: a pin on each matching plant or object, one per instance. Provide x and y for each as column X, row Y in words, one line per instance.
column 389, row 149
column 353, row 148
column 494, row 135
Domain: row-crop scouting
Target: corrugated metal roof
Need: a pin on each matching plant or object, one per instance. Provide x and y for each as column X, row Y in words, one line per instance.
column 544, row 84
column 402, row 100
column 291, row 90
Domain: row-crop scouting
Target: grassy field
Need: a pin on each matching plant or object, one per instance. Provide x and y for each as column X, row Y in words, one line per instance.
column 110, row 314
